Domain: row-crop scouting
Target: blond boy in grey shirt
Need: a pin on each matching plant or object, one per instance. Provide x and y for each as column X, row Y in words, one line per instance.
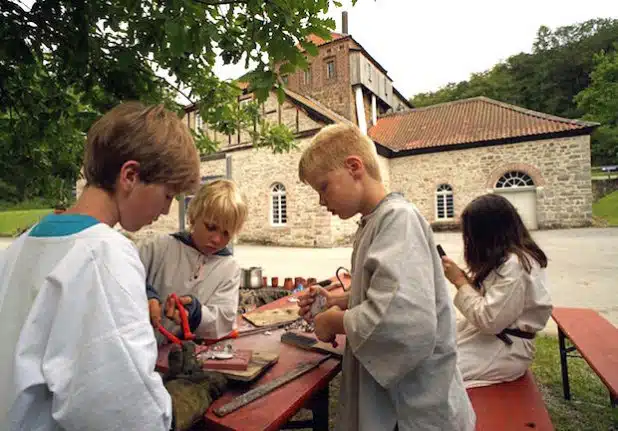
column 399, row 366
column 196, row 265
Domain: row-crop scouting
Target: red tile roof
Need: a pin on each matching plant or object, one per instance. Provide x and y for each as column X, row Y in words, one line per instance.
column 467, row 121
column 318, row 41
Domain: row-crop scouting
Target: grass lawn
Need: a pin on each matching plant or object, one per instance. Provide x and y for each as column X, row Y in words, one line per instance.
column 13, row 222
column 588, row 410
column 607, row 208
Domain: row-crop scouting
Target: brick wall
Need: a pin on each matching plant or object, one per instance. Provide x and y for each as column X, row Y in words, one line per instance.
column 334, row 93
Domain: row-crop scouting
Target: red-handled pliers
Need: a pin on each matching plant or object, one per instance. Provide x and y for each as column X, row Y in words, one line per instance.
column 184, row 319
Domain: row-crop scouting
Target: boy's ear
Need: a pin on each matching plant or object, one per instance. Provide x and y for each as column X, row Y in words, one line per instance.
column 128, row 177
column 354, row 165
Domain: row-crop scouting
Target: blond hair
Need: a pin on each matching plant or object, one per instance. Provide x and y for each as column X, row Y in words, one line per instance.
column 220, row 203
column 152, row 136
column 329, row 149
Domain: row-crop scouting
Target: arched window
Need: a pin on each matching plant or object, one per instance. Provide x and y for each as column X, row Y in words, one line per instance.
column 514, row 179
column 445, row 209
column 279, row 213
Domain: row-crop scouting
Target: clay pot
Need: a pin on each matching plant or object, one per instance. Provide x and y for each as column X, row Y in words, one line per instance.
column 264, row 281
column 274, row 281
column 288, row 284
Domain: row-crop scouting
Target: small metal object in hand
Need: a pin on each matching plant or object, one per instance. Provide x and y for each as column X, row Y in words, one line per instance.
column 318, row 306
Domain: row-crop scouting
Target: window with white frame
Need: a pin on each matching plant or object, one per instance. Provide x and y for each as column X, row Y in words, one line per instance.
column 445, row 209
column 514, row 179
column 279, row 213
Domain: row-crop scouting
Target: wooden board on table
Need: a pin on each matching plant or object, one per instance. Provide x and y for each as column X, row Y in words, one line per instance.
column 287, row 314
column 308, row 341
column 259, row 362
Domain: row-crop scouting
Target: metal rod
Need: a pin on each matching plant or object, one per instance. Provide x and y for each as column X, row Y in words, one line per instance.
column 266, row 388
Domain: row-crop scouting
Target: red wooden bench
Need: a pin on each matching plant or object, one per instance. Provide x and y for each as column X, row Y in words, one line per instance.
column 595, row 339
column 512, row 406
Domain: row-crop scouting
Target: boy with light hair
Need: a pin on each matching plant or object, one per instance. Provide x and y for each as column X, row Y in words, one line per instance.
column 399, row 366
column 78, row 351
column 197, row 266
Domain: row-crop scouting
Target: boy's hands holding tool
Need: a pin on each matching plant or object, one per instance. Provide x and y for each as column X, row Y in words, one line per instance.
column 328, row 324
column 308, row 298
column 192, row 306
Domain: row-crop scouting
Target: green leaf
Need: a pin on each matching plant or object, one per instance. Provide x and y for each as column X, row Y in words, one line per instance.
column 311, row 49
column 287, row 68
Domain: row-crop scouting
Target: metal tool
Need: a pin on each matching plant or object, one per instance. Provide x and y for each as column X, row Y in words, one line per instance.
column 266, row 388
column 184, row 319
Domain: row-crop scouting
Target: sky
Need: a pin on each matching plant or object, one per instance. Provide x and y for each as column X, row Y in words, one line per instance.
column 424, row 45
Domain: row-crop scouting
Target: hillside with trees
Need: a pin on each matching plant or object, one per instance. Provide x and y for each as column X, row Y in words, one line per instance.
column 571, row 72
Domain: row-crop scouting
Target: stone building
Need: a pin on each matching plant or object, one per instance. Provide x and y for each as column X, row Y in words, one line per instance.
column 440, row 157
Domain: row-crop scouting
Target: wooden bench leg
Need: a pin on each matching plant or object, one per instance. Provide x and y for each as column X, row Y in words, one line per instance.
column 319, row 410
column 566, row 388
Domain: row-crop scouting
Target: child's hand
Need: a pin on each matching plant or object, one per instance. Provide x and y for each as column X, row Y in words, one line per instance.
column 154, row 309
column 306, row 300
column 453, row 273
column 171, row 312
column 324, row 330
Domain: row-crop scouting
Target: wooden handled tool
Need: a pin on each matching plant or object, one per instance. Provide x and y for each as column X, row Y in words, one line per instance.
column 266, row 388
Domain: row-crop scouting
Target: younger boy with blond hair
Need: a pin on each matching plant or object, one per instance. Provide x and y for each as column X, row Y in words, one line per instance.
column 78, row 351
column 196, row 265
column 399, row 366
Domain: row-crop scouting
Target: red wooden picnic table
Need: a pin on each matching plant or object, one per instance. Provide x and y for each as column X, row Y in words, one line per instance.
column 595, row 338
column 274, row 410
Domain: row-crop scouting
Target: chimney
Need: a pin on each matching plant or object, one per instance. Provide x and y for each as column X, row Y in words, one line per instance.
column 344, row 22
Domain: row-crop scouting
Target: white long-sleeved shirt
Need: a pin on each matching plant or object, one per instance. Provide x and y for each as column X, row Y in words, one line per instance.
column 510, row 297
column 78, row 349
column 399, row 366
column 173, row 265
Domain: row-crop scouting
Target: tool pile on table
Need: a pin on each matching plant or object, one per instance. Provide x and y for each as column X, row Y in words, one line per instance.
column 196, row 372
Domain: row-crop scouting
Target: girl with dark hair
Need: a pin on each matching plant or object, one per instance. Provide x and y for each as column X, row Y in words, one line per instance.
column 503, row 296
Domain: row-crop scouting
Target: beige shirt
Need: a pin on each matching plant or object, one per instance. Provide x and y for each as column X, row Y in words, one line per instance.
column 175, row 267
column 509, row 298
column 399, row 366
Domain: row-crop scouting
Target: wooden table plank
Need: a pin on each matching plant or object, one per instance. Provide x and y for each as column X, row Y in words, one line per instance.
column 595, row 338
column 272, row 411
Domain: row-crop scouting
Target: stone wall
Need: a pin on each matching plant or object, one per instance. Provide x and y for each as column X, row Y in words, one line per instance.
column 559, row 167
column 602, row 188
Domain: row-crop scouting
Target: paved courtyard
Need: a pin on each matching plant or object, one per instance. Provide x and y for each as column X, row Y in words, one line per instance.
column 583, row 267
column 582, row 270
